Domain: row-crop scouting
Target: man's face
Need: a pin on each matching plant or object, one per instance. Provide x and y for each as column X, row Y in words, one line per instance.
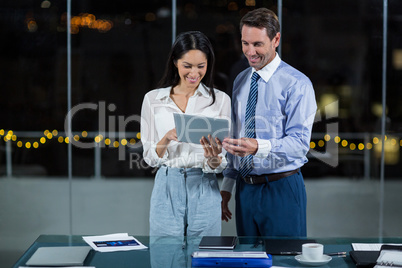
column 257, row 47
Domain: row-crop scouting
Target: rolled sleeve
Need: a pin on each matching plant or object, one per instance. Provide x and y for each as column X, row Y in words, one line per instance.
column 228, row 184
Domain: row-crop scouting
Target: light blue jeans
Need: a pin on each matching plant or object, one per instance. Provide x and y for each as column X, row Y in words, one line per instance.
column 185, row 202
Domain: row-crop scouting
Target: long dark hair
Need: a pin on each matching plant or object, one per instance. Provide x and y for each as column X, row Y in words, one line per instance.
column 185, row 42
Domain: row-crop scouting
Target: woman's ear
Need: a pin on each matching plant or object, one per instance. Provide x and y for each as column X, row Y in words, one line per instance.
column 175, row 63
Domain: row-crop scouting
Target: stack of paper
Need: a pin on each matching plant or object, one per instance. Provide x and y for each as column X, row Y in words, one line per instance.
column 231, row 259
column 113, row 242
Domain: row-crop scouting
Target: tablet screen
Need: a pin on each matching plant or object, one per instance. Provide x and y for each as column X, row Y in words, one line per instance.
column 191, row 128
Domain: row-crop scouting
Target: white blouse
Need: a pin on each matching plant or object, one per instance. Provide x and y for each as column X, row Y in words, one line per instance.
column 157, row 119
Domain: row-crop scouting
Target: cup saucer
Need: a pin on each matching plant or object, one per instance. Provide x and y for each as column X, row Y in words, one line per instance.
column 324, row 260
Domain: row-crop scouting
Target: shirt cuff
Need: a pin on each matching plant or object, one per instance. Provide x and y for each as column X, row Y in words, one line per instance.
column 159, row 160
column 228, row 184
column 264, row 148
column 218, row 169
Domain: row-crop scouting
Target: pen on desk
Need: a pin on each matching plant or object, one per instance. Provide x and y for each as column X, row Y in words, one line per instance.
column 259, row 242
column 342, row 253
column 336, row 253
column 290, row 253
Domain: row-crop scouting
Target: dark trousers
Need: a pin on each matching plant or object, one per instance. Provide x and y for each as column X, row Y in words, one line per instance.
column 276, row 208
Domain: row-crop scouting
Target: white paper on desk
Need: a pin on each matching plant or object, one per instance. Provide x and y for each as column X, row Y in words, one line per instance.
column 230, row 254
column 370, row 246
column 113, row 242
column 57, row 267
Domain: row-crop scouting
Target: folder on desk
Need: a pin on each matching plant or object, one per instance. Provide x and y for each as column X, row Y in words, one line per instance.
column 218, row 242
column 364, row 258
column 59, row 256
column 369, row 259
column 285, row 246
column 230, row 259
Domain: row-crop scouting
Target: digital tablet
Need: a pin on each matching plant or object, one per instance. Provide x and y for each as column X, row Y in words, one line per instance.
column 191, row 128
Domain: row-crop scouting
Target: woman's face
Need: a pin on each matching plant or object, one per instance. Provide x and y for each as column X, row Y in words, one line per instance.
column 192, row 67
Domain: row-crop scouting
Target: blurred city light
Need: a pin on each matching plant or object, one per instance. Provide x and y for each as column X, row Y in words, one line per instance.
column 45, row 4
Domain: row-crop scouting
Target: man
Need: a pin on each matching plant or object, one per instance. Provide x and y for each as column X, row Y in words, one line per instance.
column 272, row 115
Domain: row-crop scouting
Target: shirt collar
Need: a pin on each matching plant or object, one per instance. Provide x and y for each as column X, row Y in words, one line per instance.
column 268, row 69
column 202, row 89
column 165, row 92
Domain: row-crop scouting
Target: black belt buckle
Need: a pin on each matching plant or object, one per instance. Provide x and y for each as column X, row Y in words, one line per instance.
column 249, row 180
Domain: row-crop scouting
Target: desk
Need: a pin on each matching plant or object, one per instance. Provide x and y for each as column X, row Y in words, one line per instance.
column 165, row 252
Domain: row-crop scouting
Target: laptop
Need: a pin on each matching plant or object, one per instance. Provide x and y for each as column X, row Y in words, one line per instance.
column 59, row 256
column 191, row 128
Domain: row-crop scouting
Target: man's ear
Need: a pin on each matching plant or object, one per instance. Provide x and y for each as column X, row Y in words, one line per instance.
column 277, row 39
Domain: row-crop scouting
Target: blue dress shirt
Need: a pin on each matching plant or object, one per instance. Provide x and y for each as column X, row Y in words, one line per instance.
column 284, row 116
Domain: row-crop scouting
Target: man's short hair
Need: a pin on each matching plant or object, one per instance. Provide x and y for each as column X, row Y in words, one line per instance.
column 262, row 18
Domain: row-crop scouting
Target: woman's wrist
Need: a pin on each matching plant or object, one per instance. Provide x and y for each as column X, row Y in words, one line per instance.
column 214, row 161
column 161, row 147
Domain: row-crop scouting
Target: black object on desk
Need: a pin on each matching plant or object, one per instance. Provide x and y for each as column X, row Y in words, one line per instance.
column 218, row 242
column 285, row 246
column 368, row 259
column 364, row 258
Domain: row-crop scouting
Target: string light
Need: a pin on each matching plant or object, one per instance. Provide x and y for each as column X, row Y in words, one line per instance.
column 321, row 143
column 361, row 146
column 352, row 146
column 10, row 136
column 312, row 144
column 344, row 143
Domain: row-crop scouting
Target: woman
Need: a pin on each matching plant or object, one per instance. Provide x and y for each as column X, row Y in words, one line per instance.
column 185, row 199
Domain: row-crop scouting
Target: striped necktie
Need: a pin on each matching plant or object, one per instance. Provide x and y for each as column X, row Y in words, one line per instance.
column 246, row 163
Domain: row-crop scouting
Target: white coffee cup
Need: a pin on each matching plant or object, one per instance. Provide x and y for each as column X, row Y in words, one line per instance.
column 312, row 251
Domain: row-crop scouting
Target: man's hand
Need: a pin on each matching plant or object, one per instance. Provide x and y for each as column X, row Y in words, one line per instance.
column 240, row 147
column 226, row 214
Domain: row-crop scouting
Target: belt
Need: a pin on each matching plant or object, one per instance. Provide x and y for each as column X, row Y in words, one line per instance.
column 260, row 179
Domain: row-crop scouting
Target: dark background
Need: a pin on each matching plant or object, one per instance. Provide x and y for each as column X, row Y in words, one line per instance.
column 337, row 44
